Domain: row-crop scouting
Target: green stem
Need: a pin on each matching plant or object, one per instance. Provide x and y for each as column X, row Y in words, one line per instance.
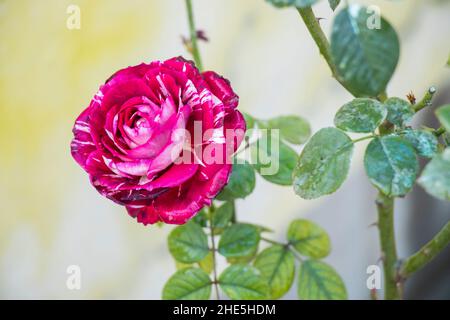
column 193, row 33
column 426, row 100
column 287, row 246
column 321, row 40
column 213, row 250
column 385, row 206
column 273, row 241
column 233, row 217
column 439, row 132
column 427, row 253
column 295, row 254
column 364, row 138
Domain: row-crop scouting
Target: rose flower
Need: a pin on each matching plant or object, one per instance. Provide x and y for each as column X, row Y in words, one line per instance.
column 139, row 144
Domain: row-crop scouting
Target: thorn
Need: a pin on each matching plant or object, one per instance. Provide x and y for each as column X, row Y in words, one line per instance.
column 411, row 97
column 373, row 224
column 201, row 35
column 318, row 19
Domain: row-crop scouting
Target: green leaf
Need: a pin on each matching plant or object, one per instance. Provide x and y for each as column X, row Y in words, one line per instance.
column 262, row 228
column 334, row 4
column 243, row 282
column 188, row 284
column 391, row 165
column 399, row 111
column 239, row 240
column 323, row 164
column 293, row 129
column 309, row 239
column 223, row 215
column 273, row 159
column 424, row 142
column 241, row 183
column 188, row 243
column 435, row 178
column 360, row 115
column 181, row 265
column 292, row 3
column 207, row 264
column 277, row 267
column 443, row 114
column 319, row 281
column 365, row 57
column 242, row 260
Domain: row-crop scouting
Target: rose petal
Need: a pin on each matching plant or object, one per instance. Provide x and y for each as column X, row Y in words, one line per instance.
column 221, row 88
column 180, row 204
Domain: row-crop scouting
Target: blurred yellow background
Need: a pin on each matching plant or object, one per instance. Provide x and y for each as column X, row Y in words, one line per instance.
column 52, row 218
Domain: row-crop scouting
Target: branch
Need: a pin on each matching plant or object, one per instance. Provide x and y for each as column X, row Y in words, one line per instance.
column 385, row 206
column 426, row 100
column 321, row 40
column 193, row 33
column 427, row 253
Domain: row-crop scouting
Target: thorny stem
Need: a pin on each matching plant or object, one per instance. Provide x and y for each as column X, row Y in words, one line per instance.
column 427, row 253
column 321, row 40
column 213, row 250
column 426, row 100
column 385, row 206
column 193, row 34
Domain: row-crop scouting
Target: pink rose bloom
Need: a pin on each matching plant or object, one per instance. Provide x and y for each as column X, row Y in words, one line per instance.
column 140, row 124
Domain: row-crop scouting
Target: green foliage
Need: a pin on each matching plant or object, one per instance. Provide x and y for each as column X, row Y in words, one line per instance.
column 308, row 239
column 365, row 58
column 241, row 183
column 207, row 264
column 400, row 111
column 274, row 162
column 319, row 281
column 334, row 4
column 243, row 282
column 239, row 240
column 443, row 114
column 188, row 243
column 424, row 142
column 435, row 178
column 277, row 267
column 360, row 115
column 293, row 129
column 181, row 265
column 222, row 216
column 391, row 165
column 292, row 3
column 188, row 284
column 323, row 164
